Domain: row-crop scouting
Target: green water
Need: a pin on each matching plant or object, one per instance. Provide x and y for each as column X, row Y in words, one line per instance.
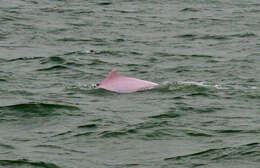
column 205, row 54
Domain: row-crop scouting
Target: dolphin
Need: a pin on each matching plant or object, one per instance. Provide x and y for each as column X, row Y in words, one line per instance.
column 122, row 84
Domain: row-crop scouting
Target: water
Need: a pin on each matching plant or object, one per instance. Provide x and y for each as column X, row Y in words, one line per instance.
column 205, row 55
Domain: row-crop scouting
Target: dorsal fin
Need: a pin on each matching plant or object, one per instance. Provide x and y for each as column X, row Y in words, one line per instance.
column 112, row 74
column 123, row 84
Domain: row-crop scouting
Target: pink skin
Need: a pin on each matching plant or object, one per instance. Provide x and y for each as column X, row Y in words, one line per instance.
column 122, row 84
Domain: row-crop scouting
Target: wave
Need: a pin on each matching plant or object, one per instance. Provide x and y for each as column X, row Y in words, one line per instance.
column 168, row 114
column 188, row 88
column 71, row 39
column 97, row 62
column 165, row 54
column 243, row 35
column 189, row 10
column 112, row 134
column 216, row 36
column 5, row 146
column 88, row 126
column 2, row 60
column 249, row 151
column 73, row 11
column 25, row 162
column 104, row 3
column 22, row 59
column 54, row 68
column 29, row 110
column 204, row 37
column 53, row 59
column 149, row 130
column 60, row 62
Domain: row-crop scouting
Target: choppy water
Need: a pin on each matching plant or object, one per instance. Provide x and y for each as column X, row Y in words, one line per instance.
column 205, row 53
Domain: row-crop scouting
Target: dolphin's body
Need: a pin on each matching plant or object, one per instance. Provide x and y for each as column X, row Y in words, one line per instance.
column 122, row 84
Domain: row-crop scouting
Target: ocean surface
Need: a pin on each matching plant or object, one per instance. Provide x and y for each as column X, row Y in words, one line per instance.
column 204, row 53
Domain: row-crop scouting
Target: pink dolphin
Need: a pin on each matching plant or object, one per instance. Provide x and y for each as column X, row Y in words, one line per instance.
column 122, row 84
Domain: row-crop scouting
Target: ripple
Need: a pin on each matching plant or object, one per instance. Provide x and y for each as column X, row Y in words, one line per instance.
column 214, row 37
column 187, row 88
column 243, row 35
column 255, row 95
column 71, row 39
column 34, row 110
column 53, row 59
column 164, row 54
column 74, row 64
column 108, row 52
column 97, row 62
column 54, row 68
column 128, row 11
column 112, row 134
column 25, row 162
column 24, row 59
column 152, row 124
column 203, row 37
column 48, row 147
column 189, row 10
column 5, row 146
column 84, row 134
column 104, row 3
column 87, row 89
column 146, row 130
column 63, row 134
column 2, row 60
column 248, row 152
column 73, row 11
column 196, row 133
column 159, row 134
column 179, row 69
column 205, row 153
column 169, row 114
column 187, row 56
column 188, row 36
column 3, row 36
column 236, row 131
column 79, row 53
column 88, row 126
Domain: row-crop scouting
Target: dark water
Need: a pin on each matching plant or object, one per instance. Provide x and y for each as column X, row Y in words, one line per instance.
column 53, row 51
